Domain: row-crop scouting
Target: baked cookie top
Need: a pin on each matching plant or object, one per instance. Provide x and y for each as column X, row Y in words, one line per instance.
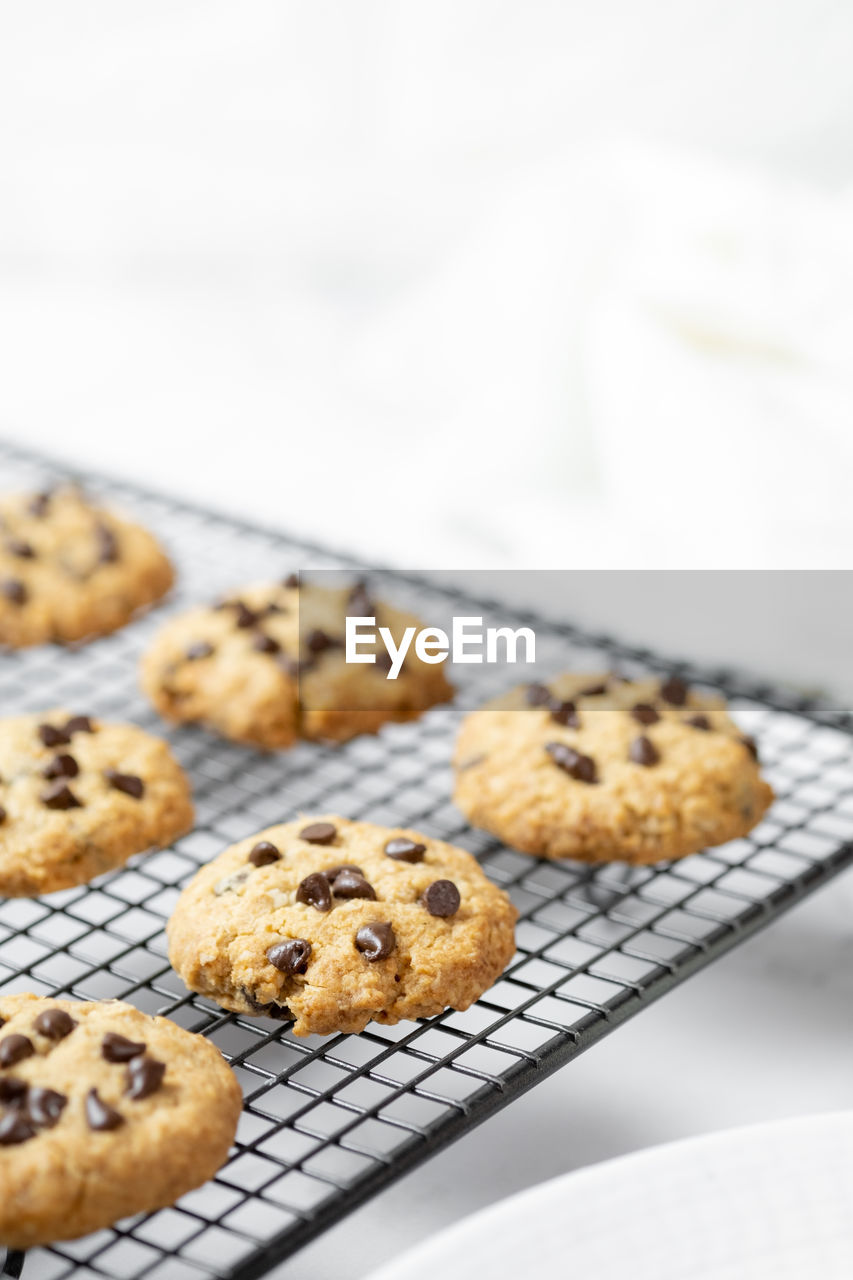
column 70, row 570
column 335, row 923
column 597, row 768
column 266, row 666
column 78, row 797
column 104, row 1112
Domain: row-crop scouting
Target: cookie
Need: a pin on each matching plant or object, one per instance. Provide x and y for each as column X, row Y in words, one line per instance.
column 267, row 667
column 70, row 571
column 334, row 923
column 78, row 797
column 104, row 1112
column 596, row 768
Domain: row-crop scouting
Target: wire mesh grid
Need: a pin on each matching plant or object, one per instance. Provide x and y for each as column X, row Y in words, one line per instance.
column 329, row 1121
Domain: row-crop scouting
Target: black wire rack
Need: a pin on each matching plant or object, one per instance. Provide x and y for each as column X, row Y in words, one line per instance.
column 328, row 1122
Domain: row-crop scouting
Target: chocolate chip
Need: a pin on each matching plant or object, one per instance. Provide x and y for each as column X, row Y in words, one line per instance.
column 246, row 617
column 674, row 691
column 441, row 898
column 643, row 751
column 201, row 649
column 45, row 1106
column 375, row 941
column 39, row 504
column 3, row 814
column 144, row 1077
column 314, row 891
column 79, row 724
column 565, row 713
column 63, row 766
column 265, row 644
column 699, row 722
column 263, row 853
column 15, row 1048
column 750, row 744
column 13, row 590
column 578, row 766
column 127, row 783
column 18, row 547
column 15, row 1128
column 60, row 796
column 99, row 1115
column 53, row 737
column 291, row 581
column 352, row 884
column 107, row 544
column 12, row 1090
column 645, row 713
column 537, row 695
column 402, row 849
column 359, row 602
column 291, row 956
column 317, row 641
column 55, row 1024
column 318, row 833
column 594, row 690
column 116, row 1048
column 331, row 872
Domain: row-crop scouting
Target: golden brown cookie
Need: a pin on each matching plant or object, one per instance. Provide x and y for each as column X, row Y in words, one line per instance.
column 267, row 667
column 78, row 797
column 71, row 571
column 104, row 1112
column 597, row 768
column 335, row 923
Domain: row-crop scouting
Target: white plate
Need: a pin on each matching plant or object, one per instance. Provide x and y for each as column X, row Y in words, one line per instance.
column 770, row 1202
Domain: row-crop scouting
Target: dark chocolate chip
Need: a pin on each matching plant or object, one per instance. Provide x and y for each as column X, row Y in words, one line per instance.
column 127, row 783
column 565, row 713
column 15, row 1128
column 644, row 713
column 63, row 766
column 578, row 766
column 331, row 872
column 317, row 641
column 45, row 1106
column 537, row 695
column 60, row 796
column 99, row 1115
column 375, row 941
column 246, row 617
column 291, row 956
column 265, row 644
column 13, row 590
column 55, row 1024
column 21, row 549
column 314, row 891
column 441, row 898
column 15, row 1048
column 699, row 722
column 351, row 884
column 674, row 691
column 402, row 849
column 39, row 504
column 12, row 1090
column 291, row 581
column 263, row 853
column 53, row 737
column 751, row 745
column 144, row 1077
column 594, row 690
column 201, row 649
column 79, row 724
column 318, row 833
column 643, row 751
column 3, row 814
column 116, row 1048
column 107, row 544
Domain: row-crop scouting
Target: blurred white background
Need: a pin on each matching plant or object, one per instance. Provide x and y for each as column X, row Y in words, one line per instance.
column 468, row 284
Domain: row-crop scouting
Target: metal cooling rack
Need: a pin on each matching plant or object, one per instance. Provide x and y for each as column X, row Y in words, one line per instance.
column 328, row 1122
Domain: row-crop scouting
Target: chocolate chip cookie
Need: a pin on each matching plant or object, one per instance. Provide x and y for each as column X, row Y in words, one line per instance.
column 70, row 570
column 267, row 666
column 104, row 1112
column 78, row 797
column 334, row 923
column 597, row 768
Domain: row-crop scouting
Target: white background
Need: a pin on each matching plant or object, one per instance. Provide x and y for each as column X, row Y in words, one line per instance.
column 463, row 285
